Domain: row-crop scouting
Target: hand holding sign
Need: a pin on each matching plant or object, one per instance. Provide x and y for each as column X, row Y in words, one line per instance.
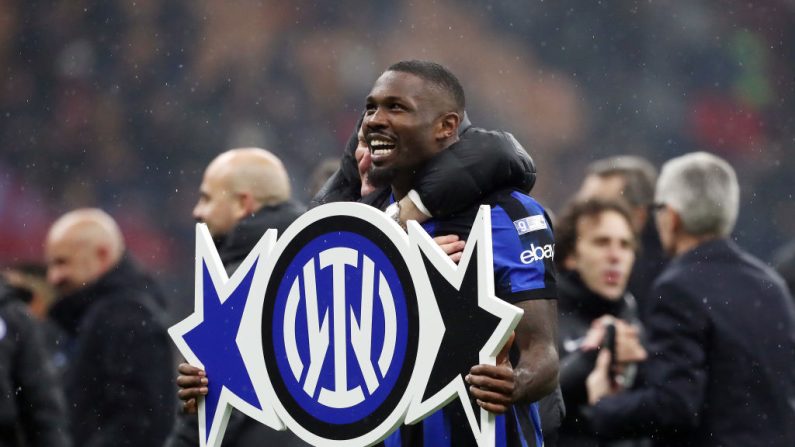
column 451, row 245
column 493, row 385
column 192, row 383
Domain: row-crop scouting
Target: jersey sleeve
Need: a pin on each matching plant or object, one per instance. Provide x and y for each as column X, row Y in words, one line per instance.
column 524, row 249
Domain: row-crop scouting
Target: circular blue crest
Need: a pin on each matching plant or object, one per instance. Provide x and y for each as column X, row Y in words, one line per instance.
column 340, row 327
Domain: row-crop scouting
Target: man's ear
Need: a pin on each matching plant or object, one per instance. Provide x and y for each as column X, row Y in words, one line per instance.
column 105, row 258
column 102, row 252
column 448, row 125
column 246, row 204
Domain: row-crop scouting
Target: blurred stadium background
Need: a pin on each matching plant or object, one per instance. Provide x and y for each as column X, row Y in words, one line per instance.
column 121, row 104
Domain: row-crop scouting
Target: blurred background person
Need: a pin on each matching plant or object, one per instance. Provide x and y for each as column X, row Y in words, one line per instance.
column 721, row 336
column 244, row 192
column 631, row 179
column 32, row 406
column 595, row 249
column 118, row 378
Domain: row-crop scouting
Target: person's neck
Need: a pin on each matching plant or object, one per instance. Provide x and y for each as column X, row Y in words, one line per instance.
column 686, row 242
column 401, row 186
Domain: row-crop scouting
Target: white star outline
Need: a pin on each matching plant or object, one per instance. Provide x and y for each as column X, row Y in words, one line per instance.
column 479, row 246
column 225, row 285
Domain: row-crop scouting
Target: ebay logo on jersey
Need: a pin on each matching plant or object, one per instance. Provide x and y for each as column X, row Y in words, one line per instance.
column 537, row 253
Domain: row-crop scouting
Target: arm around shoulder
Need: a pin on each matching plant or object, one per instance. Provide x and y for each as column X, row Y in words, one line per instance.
column 479, row 163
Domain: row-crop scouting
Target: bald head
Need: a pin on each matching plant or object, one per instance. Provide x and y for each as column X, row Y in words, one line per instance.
column 238, row 183
column 81, row 246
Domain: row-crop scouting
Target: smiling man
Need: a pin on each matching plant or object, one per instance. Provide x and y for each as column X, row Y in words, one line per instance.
column 412, row 114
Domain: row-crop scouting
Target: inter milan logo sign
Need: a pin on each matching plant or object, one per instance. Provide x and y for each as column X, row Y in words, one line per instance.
column 333, row 331
column 343, row 329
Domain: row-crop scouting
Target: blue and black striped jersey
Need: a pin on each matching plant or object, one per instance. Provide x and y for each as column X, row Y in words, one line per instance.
column 522, row 243
column 523, row 250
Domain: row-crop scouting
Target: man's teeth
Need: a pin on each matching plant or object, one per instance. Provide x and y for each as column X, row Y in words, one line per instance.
column 376, row 143
column 381, row 147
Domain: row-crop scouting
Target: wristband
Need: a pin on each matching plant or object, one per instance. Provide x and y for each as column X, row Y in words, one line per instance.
column 415, row 197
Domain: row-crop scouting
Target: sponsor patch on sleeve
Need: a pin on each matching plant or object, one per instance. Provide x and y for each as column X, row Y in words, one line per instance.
column 530, row 224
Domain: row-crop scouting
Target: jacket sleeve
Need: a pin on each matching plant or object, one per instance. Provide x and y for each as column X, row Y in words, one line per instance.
column 479, row 163
column 137, row 401
column 676, row 375
column 574, row 370
column 41, row 402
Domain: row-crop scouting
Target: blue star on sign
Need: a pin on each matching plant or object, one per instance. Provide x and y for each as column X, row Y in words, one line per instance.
column 213, row 343
column 211, row 337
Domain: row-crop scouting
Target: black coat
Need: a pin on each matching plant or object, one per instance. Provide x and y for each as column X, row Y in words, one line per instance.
column 649, row 263
column 241, row 430
column 119, row 377
column 721, row 368
column 245, row 235
column 578, row 307
column 32, row 408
